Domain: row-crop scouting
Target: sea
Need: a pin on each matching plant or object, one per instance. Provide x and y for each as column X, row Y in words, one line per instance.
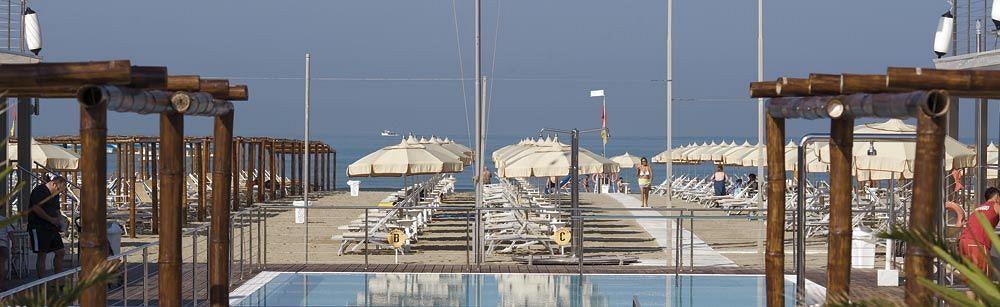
column 353, row 147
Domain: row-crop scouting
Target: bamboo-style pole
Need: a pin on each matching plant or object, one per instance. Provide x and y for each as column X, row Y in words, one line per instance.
column 301, row 184
column 926, row 207
column 237, row 151
column 284, row 175
column 272, row 169
column 172, row 173
column 184, row 83
column 763, row 89
column 199, row 162
column 65, row 74
column 93, row 166
column 775, row 260
column 824, row 84
column 261, row 192
column 215, row 87
column 251, row 169
column 238, row 92
column 791, row 87
column 334, row 171
column 154, row 180
column 839, row 257
column 131, row 190
column 220, row 228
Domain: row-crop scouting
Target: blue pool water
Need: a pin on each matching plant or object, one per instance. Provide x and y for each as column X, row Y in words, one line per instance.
column 425, row 289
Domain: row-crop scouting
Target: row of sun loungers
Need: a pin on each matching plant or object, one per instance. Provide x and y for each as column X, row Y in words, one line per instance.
column 409, row 209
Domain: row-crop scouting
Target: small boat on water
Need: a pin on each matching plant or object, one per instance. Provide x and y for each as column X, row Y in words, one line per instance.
column 389, row 133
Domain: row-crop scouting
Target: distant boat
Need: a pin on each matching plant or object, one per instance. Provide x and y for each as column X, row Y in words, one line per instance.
column 389, row 133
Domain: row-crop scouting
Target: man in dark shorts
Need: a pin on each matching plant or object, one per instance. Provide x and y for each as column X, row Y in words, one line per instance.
column 974, row 243
column 45, row 222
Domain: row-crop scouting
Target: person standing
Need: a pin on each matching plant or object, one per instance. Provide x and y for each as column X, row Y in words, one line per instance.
column 973, row 242
column 45, row 222
column 719, row 179
column 644, row 173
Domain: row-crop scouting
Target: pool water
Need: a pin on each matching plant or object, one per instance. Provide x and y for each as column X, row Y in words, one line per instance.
column 433, row 289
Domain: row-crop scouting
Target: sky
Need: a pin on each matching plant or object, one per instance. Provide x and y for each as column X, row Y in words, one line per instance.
column 542, row 62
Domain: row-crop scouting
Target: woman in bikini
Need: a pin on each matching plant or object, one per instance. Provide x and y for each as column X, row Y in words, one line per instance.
column 645, row 175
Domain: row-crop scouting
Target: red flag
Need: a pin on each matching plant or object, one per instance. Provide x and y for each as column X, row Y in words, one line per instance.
column 604, row 124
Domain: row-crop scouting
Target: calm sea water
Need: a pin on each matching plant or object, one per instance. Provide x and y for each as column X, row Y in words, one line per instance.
column 352, row 148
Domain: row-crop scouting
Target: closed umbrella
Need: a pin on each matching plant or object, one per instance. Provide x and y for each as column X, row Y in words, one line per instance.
column 626, row 160
column 51, row 156
column 405, row 159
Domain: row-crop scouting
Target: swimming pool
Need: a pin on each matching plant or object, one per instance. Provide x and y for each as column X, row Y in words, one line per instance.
column 437, row 289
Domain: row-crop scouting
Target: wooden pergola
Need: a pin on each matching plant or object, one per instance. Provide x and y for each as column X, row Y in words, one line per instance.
column 121, row 87
column 136, row 155
column 921, row 93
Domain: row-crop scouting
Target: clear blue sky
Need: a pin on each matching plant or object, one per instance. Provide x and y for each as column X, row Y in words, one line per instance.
column 615, row 45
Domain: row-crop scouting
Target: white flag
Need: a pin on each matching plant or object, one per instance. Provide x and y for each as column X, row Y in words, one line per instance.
column 597, row 93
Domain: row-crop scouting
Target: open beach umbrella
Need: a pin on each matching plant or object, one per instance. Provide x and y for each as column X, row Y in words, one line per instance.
column 709, row 155
column 555, row 161
column 456, row 147
column 405, row 159
column 508, row 150
column 735, row 156
column 539, row 145
column 434, row 144
column 753, row 158
column 626, row 160
column 51, row 156
column 898, row 156
column 694, row 156
column 719, row 156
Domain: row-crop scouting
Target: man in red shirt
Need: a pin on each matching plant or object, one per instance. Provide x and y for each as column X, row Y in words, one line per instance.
column 974, row 243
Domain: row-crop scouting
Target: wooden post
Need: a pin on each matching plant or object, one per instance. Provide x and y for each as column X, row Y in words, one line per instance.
column 260, row 171
column 284, row 176
column 925, row 215
column 775, row 259
column 300, row 152
column 93, row 167
column 237, row 146
column 251, row 169
column 839, row 257
column 131, row 190
column 172, row 166
column 221, row 177
column 155, row 166
column 199, row 163
column 272, row 167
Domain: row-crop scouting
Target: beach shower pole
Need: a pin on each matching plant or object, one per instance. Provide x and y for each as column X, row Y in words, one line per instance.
column 982, row 117
column 305, row 184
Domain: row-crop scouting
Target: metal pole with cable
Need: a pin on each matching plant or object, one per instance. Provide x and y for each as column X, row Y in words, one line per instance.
column 305, row 164
column 479, row 131
column 670, row 100
column 760, row 77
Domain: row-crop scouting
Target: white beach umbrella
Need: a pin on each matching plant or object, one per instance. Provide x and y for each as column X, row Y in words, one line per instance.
column 434, row 144
column 51, row 156
column 735, row 156
column 898, row 156
column 456, row 147
column 626, row 160
column 538, row 145
column 405, row 159
column 719, row 156
column 555, row 161
column 709, row 155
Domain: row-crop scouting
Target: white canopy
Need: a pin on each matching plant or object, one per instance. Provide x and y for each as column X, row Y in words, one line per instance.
column 407, row 158
column 51, row 156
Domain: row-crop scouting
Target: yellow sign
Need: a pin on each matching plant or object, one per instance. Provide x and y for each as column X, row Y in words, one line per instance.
column 562, row 236
column 396, row 238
